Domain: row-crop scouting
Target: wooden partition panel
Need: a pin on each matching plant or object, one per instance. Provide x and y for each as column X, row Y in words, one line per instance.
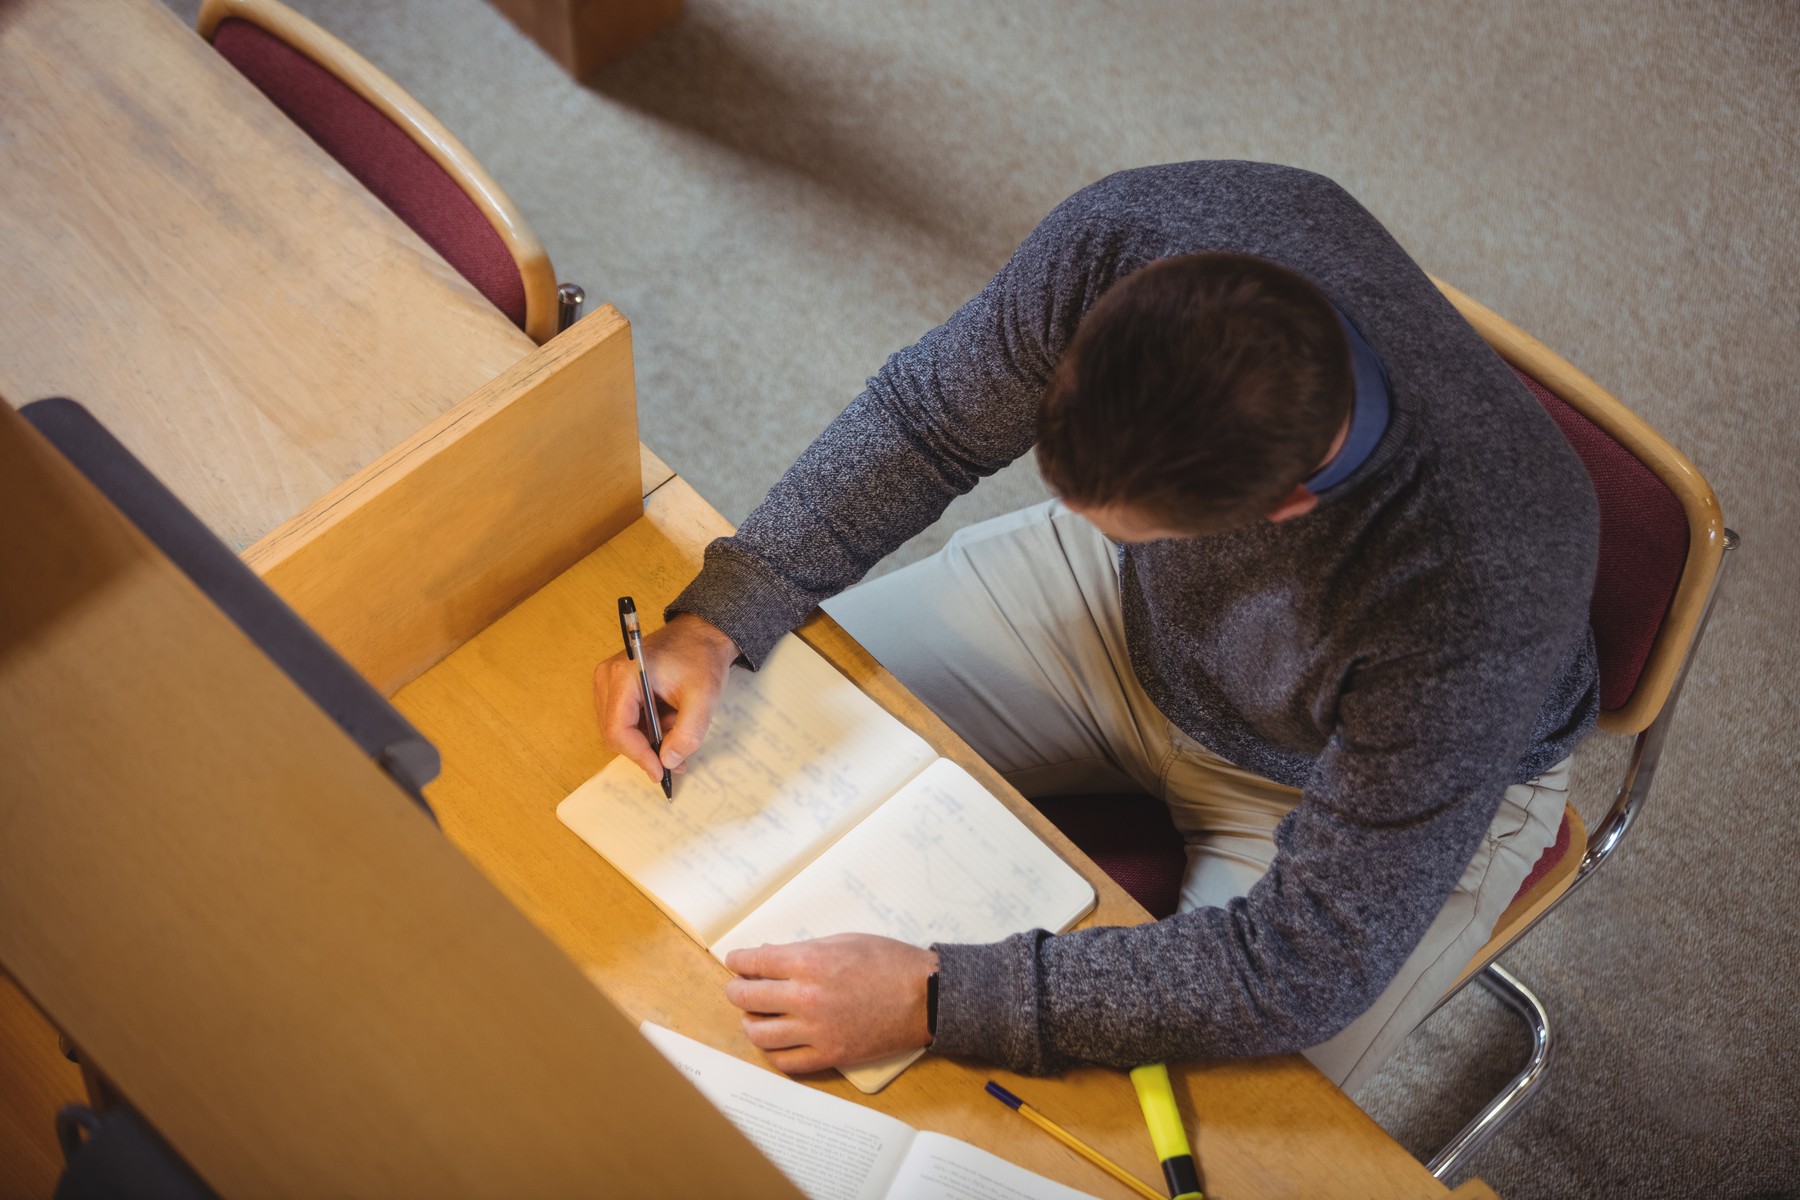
column 427, row 545
column 35, row 1080
column 258, row 937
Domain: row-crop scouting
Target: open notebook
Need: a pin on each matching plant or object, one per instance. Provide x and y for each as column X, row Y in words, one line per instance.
column 809, row 811
column 834, row 1149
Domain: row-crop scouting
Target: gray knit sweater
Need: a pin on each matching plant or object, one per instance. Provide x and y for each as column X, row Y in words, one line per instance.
column 1402, row 653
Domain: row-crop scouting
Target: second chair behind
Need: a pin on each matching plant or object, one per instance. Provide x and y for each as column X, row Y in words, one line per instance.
column 397, row 150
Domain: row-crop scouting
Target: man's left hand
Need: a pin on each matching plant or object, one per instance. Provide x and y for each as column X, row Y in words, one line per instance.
column 832, row 1001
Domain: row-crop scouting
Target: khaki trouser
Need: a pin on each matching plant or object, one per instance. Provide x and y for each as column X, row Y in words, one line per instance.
column 1012, row 633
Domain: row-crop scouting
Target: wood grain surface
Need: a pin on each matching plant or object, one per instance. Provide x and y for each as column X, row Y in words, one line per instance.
column 184, row 261
column 420, row 550
column 258, row 937
column 35, row 1080
column 38, row 1079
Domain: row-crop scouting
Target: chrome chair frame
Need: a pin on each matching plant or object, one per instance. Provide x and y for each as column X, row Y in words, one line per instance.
column 1628, row 801
column 570, row 299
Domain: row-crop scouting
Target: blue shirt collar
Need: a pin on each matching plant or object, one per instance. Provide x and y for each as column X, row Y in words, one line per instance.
column 1368, row 412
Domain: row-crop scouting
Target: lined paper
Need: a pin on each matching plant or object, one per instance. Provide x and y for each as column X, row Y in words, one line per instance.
column 942, row 861
column 796, row 755
column 837, row 1150
column 832, row 1149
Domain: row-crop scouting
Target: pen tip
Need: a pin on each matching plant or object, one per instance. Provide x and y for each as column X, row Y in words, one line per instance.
column 668, row 785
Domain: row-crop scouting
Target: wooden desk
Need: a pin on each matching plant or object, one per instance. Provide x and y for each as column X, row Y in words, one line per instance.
column 184, row 261
column 513, row 714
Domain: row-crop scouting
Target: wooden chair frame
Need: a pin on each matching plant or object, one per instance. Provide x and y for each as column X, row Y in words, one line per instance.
column 543, row 317
column 1645, row 717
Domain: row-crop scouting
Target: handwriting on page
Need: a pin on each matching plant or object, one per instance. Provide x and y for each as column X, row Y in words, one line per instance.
column 796, row 754
column 942, row 861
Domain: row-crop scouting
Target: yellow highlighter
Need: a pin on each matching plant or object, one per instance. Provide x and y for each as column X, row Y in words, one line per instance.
column 1157, row 1097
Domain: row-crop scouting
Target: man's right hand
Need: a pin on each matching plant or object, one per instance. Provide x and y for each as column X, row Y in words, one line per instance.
column 689, row 659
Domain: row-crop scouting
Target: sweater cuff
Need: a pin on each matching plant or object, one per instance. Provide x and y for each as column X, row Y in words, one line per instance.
column 987, row 1002
column 741, row 596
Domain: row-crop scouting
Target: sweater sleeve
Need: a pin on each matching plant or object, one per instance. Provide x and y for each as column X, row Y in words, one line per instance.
column 1393, row 813
column 942, row 414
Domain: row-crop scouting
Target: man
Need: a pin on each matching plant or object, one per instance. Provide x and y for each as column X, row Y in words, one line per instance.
column 1317, row 577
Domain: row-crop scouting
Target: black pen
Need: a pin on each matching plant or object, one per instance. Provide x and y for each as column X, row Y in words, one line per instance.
column 634, row 650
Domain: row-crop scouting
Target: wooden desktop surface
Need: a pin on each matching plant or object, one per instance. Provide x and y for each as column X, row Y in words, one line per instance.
column 183, row 260
column 512, row 713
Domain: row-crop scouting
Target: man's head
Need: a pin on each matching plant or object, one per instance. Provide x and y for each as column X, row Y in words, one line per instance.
column 1197, row 395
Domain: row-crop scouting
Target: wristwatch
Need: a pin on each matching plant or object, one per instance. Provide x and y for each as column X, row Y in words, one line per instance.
column 931, row 994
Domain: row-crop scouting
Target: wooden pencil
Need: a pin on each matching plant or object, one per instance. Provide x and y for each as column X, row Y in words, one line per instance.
column 1072, row 1142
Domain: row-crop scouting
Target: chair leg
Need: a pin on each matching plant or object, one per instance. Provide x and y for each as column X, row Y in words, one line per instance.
column 1502, row 1108
column 569, row 299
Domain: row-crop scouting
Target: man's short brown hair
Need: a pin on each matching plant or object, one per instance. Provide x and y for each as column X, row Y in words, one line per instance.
column 1199, row 390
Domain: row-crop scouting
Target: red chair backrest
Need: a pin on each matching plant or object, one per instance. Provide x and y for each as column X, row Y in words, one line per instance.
column 382, row 157
column 1129, row 837
column 1643, row 547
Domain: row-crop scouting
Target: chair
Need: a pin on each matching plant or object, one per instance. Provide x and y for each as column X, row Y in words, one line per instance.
column 399, row 151
column 1662, row 554
column 1662, row 545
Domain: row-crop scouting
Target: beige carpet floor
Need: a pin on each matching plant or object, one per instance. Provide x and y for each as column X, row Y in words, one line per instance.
column 780, row 193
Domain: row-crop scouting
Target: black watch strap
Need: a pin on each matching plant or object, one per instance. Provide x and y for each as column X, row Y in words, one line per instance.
column 931, row 1001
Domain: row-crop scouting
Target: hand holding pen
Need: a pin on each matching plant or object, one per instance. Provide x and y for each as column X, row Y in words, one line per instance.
column 634, row 650
column 693, row 659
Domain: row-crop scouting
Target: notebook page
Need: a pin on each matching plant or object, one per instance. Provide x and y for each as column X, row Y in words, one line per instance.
column 831, row 1148
column 942, row 861
column 795, row 756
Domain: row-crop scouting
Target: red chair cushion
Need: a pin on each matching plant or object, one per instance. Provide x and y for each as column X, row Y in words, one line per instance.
column 1132, row 839
column 1552, row 855
column 382, row 156
column 1643, row 547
